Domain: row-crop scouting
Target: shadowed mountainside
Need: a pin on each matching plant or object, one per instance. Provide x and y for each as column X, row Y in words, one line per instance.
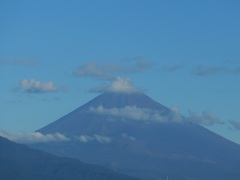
column 19, row 162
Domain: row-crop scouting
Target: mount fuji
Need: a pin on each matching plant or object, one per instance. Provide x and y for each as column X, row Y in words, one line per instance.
column 131, row 133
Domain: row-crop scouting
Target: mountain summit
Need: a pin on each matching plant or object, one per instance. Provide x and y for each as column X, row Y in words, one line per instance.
column 108, row 109
column 121, row 99
column 131, row 133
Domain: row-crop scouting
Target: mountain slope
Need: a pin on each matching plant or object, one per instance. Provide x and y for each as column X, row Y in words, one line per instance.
column 18, row 162
column 84, row 120
column 134, row 134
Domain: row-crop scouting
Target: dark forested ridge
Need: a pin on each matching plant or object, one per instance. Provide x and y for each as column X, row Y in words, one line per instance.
column 19, row 162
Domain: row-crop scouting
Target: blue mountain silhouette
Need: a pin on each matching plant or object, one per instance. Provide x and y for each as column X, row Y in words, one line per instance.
column 131, row 133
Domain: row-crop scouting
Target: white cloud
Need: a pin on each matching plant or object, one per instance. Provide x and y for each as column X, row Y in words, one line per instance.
column 135, row 113
column 118, row 85
column 122, row 85
column 103, row 139
column 206, row 118
column 143, row 114
column 34, row 137
column 34, row 86
column 99, row 138
column 37, row 137
column 176, row 114
column 85, row 138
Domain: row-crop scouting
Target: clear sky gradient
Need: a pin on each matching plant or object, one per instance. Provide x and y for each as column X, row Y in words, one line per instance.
column 56, row 55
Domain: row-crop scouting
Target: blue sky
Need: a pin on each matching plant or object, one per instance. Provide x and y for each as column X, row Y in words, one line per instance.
column 56, row 56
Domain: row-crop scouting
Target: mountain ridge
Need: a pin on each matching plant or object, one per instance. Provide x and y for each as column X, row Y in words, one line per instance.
column 140, row 145
column 19, row 162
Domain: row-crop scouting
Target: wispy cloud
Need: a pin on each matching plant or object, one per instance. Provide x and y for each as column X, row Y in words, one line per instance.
column 206, row 118
column 19, row 62
column 118, row 85
column 176, row 115
column 108, row 71
column 35, row 86
column 175, row 67
column 23, row 62
column 170, row 69
column 202, row 70
column 37, row 137
column 34, row 137
column 4, row 62
column 139, row 114
column 99, row 138
column 235, row 124
column 97, row 71
column 126, row 136
column 140, row 63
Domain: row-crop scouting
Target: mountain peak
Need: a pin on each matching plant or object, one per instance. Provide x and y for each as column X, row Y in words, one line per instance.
column 108, row 105
column 110, row 99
